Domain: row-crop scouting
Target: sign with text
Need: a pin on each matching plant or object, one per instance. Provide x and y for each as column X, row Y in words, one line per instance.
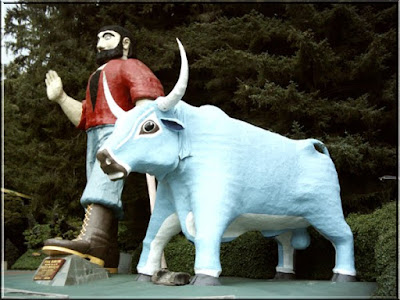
column 49, row 268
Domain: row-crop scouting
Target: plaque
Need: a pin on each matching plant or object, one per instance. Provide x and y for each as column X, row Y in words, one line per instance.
column 49, row 268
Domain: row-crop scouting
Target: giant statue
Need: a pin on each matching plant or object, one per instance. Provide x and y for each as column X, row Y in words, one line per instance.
column 219, row 177
column 131, row 82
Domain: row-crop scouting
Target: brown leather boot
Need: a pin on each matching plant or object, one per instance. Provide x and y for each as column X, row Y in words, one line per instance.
column 97, row 241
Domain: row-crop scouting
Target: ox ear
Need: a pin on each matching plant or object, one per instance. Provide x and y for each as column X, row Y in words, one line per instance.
column 173, row 124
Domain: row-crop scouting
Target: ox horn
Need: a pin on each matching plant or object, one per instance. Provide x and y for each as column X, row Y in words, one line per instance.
column 115, row 109
column 169, row 101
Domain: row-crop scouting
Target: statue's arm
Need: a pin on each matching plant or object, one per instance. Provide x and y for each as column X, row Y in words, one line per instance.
column 55, row 92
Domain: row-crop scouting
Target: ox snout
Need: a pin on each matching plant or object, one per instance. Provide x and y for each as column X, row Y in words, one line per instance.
column 113, row 169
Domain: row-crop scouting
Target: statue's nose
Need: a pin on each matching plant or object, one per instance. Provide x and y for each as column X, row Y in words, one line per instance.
column 109, row 166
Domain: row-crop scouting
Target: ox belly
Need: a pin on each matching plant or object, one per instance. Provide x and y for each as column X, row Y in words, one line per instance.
column 269, row 225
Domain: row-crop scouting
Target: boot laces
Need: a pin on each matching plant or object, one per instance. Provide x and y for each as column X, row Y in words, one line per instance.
column 88, row 212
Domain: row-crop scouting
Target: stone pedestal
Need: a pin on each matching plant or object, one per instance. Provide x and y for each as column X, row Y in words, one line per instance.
column 68, row 270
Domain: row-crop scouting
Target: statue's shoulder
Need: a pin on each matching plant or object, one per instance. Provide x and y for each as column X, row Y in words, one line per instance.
column 132, row 62
column 131, row 65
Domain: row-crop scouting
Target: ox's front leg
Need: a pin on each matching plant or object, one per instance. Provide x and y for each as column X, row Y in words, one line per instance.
column 207, row 264
column 210, row 227
column 163, row 225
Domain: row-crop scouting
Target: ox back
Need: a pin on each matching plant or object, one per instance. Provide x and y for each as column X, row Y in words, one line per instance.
column 267, row 182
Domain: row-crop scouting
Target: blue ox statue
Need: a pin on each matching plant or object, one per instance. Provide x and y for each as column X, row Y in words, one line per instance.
column 219, row 177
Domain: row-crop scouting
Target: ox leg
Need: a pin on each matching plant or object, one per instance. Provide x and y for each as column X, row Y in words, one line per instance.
column 338, row 232
column 286, row 256
column 207, row 265
column 152, row 190
column 163, row 225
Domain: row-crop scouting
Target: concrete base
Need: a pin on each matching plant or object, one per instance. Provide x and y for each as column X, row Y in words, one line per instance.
column 119, row 286
column 75, row 270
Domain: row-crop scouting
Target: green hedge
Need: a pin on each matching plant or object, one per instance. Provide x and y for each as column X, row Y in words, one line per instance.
column 253, row 256
column 250, row 256
column 30, row 260
column 375, row 240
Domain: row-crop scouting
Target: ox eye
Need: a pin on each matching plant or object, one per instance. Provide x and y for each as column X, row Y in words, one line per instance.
column 149, row 127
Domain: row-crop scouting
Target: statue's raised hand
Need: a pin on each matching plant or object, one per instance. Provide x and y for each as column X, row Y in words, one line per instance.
column 54, row 86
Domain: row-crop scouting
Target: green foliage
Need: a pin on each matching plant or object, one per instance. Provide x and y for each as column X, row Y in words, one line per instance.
column 317, row 261
column 35, row 236
column 30, row 260
column 375, row 247
column 137, row 212
column 136, row 257
column 386, row 266
column 11, row 252
column 179, row 254
column 17, row 218
column 250, row 255
column 253, row 256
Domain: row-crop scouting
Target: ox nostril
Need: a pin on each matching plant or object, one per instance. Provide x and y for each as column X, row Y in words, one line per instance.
column 103, row 156
column 110, row 167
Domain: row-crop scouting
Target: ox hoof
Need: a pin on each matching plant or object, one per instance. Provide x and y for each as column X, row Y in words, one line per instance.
column 143, row 278
column 337, row 277
column 166, row 277
column 284, row 276
column 204, row 280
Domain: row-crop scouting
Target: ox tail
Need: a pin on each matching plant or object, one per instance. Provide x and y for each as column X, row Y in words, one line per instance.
column 320, row 146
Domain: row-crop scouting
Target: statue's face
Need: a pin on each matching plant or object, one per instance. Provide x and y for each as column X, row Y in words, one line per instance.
column 107, row 40
column 109, row 46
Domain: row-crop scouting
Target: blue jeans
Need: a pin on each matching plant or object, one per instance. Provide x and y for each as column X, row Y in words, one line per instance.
column 99, row 188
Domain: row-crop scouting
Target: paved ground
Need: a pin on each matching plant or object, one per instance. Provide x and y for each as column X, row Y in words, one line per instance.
column 19, row 284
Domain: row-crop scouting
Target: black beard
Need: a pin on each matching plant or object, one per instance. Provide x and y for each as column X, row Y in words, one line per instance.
column 105, row 56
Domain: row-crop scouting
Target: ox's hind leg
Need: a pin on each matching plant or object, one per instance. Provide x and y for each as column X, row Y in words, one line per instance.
column 288, row 243
column 286, row 253
column 334, row 227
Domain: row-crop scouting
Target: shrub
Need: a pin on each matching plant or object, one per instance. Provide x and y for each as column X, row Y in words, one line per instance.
column 37, row 234
column 253, row 256
column 30, row 260
column 179, row 254
column 250, row 255
column 11, row 252
column 375, row 247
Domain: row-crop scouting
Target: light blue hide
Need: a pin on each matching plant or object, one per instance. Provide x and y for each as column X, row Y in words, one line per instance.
column 219, row 177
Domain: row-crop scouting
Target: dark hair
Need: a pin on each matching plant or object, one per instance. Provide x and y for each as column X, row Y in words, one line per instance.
column 124, row 33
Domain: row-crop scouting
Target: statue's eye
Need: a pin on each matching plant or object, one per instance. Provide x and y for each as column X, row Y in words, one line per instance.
column 149, row 127
column 108, row 36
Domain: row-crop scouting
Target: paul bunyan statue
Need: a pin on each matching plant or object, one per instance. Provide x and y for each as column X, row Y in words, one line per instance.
column 131, row 83
column 219, row 177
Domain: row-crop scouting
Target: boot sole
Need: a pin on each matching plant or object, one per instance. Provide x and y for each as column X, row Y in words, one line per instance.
column 56, row 250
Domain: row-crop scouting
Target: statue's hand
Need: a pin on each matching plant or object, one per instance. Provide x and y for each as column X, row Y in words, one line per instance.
column 54, row 86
